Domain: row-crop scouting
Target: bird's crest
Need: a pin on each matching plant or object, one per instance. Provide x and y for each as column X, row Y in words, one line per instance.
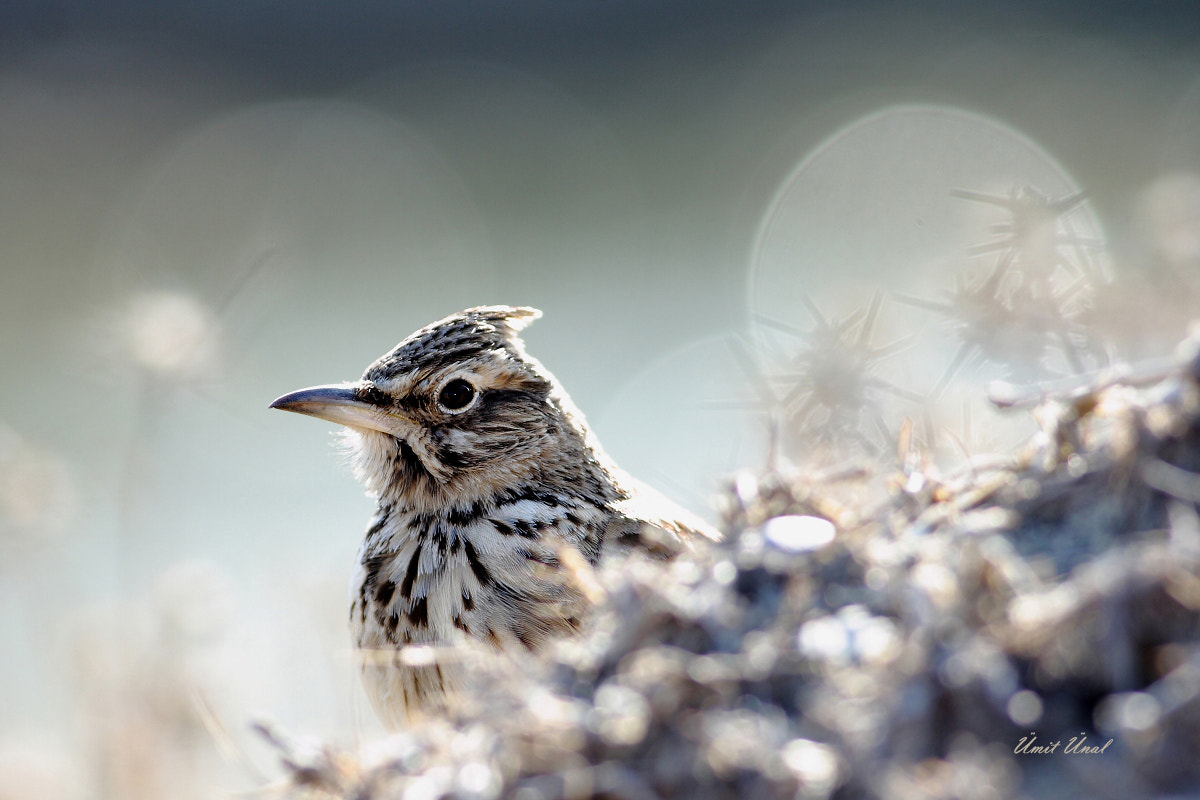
column 515, row 318
column 457, row 337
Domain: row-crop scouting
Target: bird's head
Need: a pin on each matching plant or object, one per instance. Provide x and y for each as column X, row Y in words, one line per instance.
column 453, row 410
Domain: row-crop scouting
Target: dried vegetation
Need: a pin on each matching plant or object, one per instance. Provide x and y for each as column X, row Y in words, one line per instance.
column 1053, row 593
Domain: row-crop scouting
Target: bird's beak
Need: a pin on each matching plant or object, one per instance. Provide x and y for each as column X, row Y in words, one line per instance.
column 341, row 403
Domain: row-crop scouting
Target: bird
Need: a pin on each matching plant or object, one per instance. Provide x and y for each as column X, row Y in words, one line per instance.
column 491, row 492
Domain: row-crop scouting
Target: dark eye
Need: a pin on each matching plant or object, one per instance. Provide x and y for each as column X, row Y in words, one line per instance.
column 456, row 395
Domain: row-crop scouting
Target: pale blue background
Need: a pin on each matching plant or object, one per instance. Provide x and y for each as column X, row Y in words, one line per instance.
column 312, row 181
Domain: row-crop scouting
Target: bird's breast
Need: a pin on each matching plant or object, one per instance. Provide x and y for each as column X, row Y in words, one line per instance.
column 493, row 573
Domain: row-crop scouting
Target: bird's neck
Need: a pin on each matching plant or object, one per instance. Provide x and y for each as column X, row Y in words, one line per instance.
column 515, row 508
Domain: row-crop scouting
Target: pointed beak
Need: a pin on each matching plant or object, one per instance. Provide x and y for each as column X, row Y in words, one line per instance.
column 344, row 404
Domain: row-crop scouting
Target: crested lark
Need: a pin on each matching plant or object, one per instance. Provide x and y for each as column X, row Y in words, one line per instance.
column 489, row 485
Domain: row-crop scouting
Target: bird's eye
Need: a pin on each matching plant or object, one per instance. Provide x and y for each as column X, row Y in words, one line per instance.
column 456, row 395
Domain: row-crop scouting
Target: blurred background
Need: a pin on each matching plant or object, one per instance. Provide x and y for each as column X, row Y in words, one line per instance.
column 722, row 209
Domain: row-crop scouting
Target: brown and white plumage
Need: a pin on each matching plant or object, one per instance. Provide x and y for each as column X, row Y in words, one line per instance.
column 484, row 472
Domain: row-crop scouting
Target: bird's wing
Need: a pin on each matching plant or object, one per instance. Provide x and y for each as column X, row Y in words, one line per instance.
column 648, row 520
